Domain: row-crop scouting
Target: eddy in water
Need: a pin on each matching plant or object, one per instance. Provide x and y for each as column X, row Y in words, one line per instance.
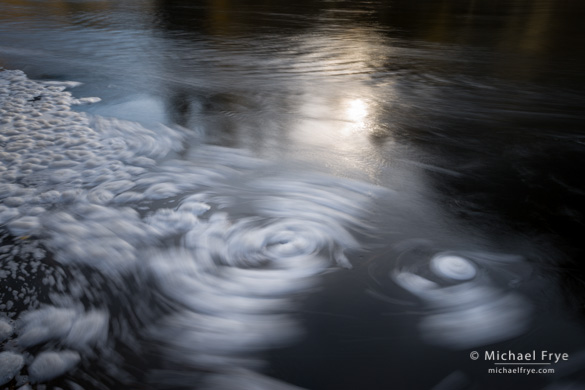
column 112, row 247
column 130, row 256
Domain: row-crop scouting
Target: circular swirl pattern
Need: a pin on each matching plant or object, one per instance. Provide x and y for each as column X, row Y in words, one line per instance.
column 453, row 267
column 283, row 244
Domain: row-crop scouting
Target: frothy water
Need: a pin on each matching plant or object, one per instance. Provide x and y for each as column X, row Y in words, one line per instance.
column 134, row 254
column 204, row 259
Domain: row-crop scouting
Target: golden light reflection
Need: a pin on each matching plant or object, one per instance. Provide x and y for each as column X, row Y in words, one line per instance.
column 335, row 130
column 355, row 115
column 339, row 110
column 357, row 110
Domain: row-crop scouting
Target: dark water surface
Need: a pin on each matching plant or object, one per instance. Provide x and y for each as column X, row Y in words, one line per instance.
column 465, row 117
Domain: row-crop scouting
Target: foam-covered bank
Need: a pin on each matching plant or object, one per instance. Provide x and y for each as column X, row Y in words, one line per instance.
column 129, row 254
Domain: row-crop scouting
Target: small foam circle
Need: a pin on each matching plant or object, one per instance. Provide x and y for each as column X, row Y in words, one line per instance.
column 453, row 267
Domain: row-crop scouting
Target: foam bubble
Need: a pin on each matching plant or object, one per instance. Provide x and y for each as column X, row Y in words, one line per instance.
column 50, row 365
column 13, row 201
column 45, row 324
column 10, row 365
column 88, row 330
column 129, row 197
column 7, row 214
column 194, row 206
column 5, row 330
column 453, row 267
column 24, row 226
column 100, row 196
column 161, row 191
column 87, row 100
column 172, row 222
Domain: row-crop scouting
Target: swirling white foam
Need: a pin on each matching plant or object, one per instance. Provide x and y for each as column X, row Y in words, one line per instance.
column 226, row 244
column 453, row 267
column 477, row 309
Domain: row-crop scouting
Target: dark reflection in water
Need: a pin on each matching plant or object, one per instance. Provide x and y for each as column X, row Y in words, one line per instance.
column 470, row 112
column 234, row 19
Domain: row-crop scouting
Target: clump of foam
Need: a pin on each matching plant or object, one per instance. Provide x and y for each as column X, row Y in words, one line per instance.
column 5, row 330
column 88, row 330
column 45, row 324
column 474, row 311
column 76, row 329
column 172, row 222
column 101, row 237
column 50, row 365
column 10, row 365
column 7, row 214
column 24, row 226
column 50, row 150
column 453, row 267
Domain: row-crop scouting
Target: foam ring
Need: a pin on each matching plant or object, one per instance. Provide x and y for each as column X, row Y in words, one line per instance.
column 453, row 267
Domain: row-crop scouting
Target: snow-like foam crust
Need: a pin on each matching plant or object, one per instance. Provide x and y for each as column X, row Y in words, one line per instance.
column 225, row 248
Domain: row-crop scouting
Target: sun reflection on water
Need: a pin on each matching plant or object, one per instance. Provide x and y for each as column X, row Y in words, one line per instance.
column 357, row 110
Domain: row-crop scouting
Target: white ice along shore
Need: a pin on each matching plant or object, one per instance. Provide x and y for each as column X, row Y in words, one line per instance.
column 98, row 213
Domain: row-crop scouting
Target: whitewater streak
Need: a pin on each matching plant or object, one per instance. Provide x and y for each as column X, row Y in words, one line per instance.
column 109, row 240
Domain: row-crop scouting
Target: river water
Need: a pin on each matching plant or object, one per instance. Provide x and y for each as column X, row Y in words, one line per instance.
column 282, row 195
